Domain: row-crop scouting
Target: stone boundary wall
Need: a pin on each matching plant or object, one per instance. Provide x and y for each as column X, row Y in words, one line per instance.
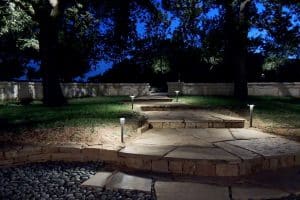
column 34, row 90
column 227, row 89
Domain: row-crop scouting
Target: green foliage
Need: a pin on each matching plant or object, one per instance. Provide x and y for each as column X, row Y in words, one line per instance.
column 18, row 39
column 15, row 20
column 161, row 65
column 273, row 63
column 281, row 21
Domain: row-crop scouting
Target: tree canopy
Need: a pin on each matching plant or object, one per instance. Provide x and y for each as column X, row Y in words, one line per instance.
column 160, row 40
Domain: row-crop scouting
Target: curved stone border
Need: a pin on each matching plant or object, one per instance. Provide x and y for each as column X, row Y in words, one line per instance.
column 145, row 162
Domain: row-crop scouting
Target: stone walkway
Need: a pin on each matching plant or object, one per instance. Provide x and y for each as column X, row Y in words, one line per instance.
column 267, row 185
column 178, row 115
column 197, row 142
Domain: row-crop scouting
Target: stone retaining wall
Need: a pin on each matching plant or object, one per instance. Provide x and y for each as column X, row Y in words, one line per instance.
column 34, row 90
column 19, row 155
column 227, row 89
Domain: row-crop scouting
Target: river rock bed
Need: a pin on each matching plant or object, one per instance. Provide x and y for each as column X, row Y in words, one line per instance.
column 58, row 180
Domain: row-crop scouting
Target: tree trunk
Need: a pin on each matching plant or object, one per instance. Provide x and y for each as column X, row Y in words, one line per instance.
column 241, row 82
column 236, row 30
column 48, row 39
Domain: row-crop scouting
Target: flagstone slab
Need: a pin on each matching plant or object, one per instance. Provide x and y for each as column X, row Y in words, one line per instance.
column 209, row 134
column 240, row 152
column 128, row 182
column 257, row 193
column 242, row 134
column 226, row 117
column 153, row 98
column 269, row 147
column 145, row 150
column 189, row 191
column 287, row 179
column 191, row 119
column 170, row 137
column 194, row 153
column 98, row 180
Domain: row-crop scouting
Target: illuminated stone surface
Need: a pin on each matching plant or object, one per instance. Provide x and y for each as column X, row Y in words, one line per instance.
column 257, row 193
column 98, row 180
column 128, row 182
column 189, row 191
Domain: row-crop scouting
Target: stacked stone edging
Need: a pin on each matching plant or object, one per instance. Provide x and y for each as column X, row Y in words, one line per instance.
column 83, row 153
column 196, row 124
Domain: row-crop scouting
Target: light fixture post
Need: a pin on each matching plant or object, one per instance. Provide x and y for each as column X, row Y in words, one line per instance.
column 132, row 100
column 177, row 93
column 122, row 123
column 251, row 107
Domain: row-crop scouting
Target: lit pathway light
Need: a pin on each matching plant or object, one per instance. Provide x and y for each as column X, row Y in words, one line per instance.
column 132, row 100
column 251, row 107
column 177, row 93
column 122, row 123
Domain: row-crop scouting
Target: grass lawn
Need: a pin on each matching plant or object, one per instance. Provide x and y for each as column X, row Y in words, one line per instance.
column 271, row 111
column 79, row 112
column 96, row 120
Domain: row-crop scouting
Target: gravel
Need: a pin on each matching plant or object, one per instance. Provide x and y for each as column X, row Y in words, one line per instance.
column 57, row 180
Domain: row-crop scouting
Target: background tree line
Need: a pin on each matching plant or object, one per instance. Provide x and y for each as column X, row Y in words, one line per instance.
column 150, row 40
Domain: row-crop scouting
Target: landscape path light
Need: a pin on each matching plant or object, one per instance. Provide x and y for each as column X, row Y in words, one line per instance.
column 122, row 123
column 251, row 107
column 177, row 93
column 132, row 100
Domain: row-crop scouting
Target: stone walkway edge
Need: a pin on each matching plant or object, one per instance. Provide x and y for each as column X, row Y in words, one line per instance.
column 20, row 155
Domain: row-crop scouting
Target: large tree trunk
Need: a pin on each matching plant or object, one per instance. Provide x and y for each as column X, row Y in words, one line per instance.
column 241, row 82
column 49, row 27
column 236, row 31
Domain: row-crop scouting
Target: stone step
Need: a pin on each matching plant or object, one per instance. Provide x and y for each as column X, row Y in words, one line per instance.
column 166, row 190
column 119, row 180
column 170, row 107
column 283, row 184
column 158, row 94
column 196, row 152
column 153, row 99
column 203, row 161
column 222, row 159
column 196, row 124
column 191, row 119
column 190, row 191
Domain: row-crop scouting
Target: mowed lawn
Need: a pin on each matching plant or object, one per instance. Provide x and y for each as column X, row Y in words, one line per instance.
column 273, row 111
column 79, row 112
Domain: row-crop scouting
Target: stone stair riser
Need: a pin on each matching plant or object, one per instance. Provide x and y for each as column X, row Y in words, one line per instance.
column 196, row 124
column 154, row 164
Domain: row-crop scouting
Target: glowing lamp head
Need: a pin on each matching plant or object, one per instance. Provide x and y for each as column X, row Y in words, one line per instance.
column 122, row 121
column 177, row 92
column 251, row 106
column 132, row 97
